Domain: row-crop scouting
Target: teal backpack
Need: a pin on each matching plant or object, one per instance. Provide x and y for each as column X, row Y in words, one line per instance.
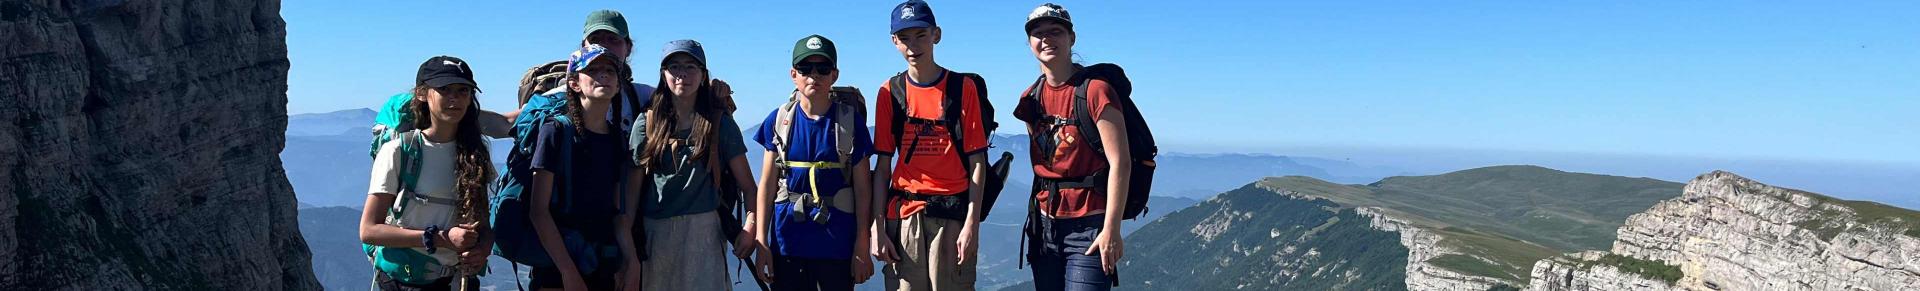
column 392, row 119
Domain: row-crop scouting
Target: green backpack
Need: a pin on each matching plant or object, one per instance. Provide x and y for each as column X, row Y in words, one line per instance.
column 408, row 265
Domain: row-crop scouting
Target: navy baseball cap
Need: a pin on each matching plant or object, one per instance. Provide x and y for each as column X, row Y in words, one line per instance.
column 440, row 71
column 687, row 46
column 912, row 14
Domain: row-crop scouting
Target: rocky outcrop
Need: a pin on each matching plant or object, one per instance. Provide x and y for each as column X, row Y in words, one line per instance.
column 1582, row 271
column 1422, row 246
column 1727, row 232
column 1256, row 239
column 139, row 143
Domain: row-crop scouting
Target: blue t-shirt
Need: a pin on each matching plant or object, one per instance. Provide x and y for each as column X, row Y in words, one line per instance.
column 813, row 141
column 595, row 180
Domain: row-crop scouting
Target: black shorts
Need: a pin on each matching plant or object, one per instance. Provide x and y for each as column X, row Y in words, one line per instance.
column 603, row 278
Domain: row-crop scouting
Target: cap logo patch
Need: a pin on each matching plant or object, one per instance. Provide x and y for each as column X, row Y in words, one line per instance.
column 906, row 12
column 813, row 43
column 451, row 63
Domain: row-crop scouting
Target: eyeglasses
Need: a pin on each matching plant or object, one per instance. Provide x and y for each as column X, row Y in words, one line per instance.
column 814, row 68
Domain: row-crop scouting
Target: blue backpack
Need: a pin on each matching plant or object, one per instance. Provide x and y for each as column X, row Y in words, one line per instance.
column 514, row 236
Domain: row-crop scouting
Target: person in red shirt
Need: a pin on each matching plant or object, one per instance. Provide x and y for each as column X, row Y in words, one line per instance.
column 934, row 192
column 1078, row 228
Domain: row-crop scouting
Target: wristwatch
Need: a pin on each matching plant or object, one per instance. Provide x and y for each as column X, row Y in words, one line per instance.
column 426, row 237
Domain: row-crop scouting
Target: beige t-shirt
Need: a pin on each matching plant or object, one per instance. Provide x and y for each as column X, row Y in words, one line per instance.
column 436, row 181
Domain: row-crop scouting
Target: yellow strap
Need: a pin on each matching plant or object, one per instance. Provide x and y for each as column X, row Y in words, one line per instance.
column 813, row 180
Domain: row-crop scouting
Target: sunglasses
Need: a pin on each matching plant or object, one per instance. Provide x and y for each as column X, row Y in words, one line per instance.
column 814, row 68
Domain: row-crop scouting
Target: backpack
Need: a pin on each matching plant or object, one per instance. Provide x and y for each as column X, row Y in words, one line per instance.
column 950, row 118
column 1139, row 137
column 395, row 117
column 850, row 106
column 514, row 235
column 408, row 265
column 542, row 78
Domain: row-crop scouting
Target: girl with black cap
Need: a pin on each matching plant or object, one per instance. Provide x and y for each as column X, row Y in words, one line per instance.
column 424, row 224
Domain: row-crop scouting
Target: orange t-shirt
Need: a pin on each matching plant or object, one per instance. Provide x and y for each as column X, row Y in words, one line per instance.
column 936, row 168
column 1074, row 157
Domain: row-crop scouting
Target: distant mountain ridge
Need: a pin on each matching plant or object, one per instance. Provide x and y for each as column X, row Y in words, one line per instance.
column 1472, row 229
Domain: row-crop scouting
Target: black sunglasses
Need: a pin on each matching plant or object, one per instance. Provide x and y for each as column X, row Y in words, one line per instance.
column 814, row 68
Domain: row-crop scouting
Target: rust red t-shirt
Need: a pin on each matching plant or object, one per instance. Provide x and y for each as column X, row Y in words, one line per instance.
column 936, row 168
column 1074, row 157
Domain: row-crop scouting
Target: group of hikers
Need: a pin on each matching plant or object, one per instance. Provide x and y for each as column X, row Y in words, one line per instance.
column 612, row 184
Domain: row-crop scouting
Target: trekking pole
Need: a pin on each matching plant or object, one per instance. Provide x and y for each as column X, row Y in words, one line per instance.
column 755, row 274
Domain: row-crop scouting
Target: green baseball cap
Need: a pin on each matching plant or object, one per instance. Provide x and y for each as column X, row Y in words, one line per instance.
column 815, row 45
column 605, row 19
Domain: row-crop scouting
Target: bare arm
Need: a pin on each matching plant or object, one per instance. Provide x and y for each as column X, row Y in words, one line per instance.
column 1113, row 134
column 862, row 202
column 882, row 176
column 743, row 177
column 763, row 207
column 623, row 224
column 544, row 226
column 374, row 229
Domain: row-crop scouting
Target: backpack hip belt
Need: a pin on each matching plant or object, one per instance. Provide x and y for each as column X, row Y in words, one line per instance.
column 1095, row 181
column 840, row 200
column 947, row 200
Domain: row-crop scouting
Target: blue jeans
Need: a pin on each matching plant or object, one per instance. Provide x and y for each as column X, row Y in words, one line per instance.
column 1058, row 255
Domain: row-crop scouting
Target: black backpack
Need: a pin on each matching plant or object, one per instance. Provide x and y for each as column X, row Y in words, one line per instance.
column 1139, row 136
column 950, row 118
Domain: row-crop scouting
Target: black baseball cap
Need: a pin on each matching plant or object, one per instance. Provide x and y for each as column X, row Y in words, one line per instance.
column 440, row 71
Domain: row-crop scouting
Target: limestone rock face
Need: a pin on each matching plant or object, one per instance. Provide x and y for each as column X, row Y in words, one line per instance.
column 1423, row 245
column 1572, row 272
column 1727, row 232
column 139, row 147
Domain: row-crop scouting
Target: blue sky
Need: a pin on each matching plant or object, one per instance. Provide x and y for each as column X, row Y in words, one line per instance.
column 1777, row 80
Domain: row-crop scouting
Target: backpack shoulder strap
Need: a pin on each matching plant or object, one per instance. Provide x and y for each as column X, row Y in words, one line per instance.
column 954, row 106
column 846, row 122
column 898, row 114
column 783, row 131
column 409, row 154
column 1083, row 116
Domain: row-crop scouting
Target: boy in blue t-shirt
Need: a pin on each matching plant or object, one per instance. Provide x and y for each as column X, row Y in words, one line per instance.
column 812, row 200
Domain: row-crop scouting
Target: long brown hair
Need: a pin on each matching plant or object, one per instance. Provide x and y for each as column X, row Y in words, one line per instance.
column 473, row 165
column 663, row 119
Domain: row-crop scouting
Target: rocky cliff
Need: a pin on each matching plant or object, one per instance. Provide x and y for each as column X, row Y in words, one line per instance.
column 1731, row 233
column 139, row 143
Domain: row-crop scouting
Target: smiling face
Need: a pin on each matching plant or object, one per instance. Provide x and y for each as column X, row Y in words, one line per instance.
column 448, row 104
column 1051, row 42
column 683, row 73
column 813, row 76
column 916, row 44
